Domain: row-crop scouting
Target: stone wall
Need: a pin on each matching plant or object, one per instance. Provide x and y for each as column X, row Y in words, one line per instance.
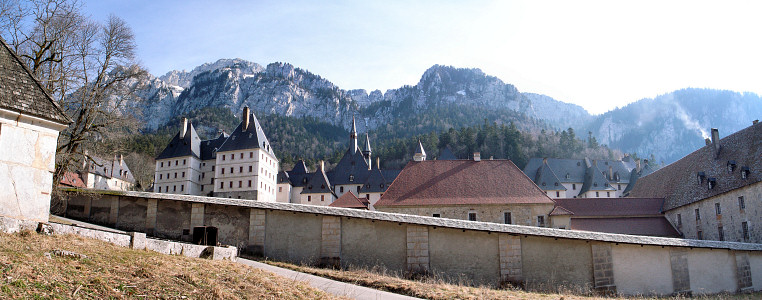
column 455, row 250
column 731, row 218
column 27, row 163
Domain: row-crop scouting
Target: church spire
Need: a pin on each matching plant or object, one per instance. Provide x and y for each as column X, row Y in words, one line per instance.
column 366, row 151
column 353, row 137
column 420, row 154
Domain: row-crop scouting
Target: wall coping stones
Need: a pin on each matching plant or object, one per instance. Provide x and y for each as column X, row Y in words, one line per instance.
column 450, row 223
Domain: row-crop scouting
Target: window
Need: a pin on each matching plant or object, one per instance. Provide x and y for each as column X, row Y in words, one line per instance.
column 619, row 187
column 700, row 235
column 222, row 170
column 159, row 189
column 240, row 169
column 223, row 157
column 679, row 220
column 250, row 169
column 717, row 209
column 176, row 162
column 162, row 164
column 175, row 174
column 213, row 168
column 202, row 187
column 436, row 215
column 741, row 203
column 472, row 216
column 745, row 172
column 351, row 178
column 241, row 155
column 745, row 230
column 203, row 175
column 341, row 189
column 596, row 194
column 251, row 154
column 608, row 194
column 358, row 190
column 309, row 198
column 240, row 184
column 541, row 221
column 280, row 188
column 322, row 197
column 183, row 174
column 712, row 182
column 698, row 214
column 720, row 233
column 182, row 188
column 160, row 176
column 222, row 185
column 249, row 183
column 574, row 186
column 231, row 185
column 507, row 217
column 232, row 156
column 174, row 188
column 183, row 162
column 558, row 194
column 231, row 170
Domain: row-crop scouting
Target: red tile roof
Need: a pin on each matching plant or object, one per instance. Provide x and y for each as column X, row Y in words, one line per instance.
column 649, row 226
column 599, row 207
column 453, row 182
column 560, row 211
column 72, row 179
column 349, row 200
column 679, row 183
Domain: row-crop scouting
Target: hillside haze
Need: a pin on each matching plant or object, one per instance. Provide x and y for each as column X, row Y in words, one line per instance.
column 668, row 126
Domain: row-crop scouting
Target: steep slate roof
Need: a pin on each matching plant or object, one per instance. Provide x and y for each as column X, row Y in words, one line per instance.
column 575, row 168
column 189, row 145
column 594, row 179
column 110, row 169
column 253, row 138
column 446, row 154
column 635, row 175
column 638, row 216
column 454, row 182
column 348, row 200
column 352, row 163
column 21, row 92
column 390, row 175
column 208, row 147
column 318, row 183
column 678, row 182
column 298, row 176
column 547, row 180
column 376, row 183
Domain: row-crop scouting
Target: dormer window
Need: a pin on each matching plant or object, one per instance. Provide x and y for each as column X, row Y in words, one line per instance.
column 595, row 184
column 745, row 172
column 543, row 184
column 712, row 182
column 351, row 178
column 556, row 184
column 568, row 176
column 700, row 177
column 731, row 166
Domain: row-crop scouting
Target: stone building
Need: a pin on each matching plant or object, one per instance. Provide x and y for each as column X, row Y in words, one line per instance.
column 355, row 172
column 584, row 178
column 30, row 121
column 102, row 174
column 715, row 192
column 241, row 165
column 478, row 190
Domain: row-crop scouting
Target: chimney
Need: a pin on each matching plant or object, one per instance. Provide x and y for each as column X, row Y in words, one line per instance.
column 121, row 160
column 378, row 163
column 477, row 156
column 637, row 166
column 184, row 129
column 716, row 140
column 84, row 160
column 754, row 122
column 245, row 119
column 611, row 173
column 544, row 160
column 708, row 141
column 322, row 165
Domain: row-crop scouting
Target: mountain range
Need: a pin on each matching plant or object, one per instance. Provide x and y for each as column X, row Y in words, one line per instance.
column 668, row 126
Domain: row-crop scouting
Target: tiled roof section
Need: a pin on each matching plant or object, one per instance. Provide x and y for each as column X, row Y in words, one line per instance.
column 649, row 226
column 72, row 179
column 318, row 183
column 376, row 183
column 678, row 182
column 446, row 154
column 253, row 138
column 209, row 147
column 21, row 92
column 451, row 223
column 547, row 180
column 560, row 211
column 594, row 180
column 351, row 166
column 453, row 182
column 189, row 145
column 348, row 200
column 599, row 207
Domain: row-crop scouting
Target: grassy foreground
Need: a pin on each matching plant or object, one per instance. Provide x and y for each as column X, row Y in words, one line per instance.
column 432, row 288
column 31, row 267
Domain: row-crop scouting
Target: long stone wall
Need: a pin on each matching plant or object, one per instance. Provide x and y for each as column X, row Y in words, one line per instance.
column 456, row 250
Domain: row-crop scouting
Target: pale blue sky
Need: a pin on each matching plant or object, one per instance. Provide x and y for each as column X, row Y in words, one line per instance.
column 598, row 54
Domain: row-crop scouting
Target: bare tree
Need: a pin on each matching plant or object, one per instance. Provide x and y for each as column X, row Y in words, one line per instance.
column 87, row 66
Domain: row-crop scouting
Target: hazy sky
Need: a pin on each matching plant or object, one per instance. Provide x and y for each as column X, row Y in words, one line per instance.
column 598, row 54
